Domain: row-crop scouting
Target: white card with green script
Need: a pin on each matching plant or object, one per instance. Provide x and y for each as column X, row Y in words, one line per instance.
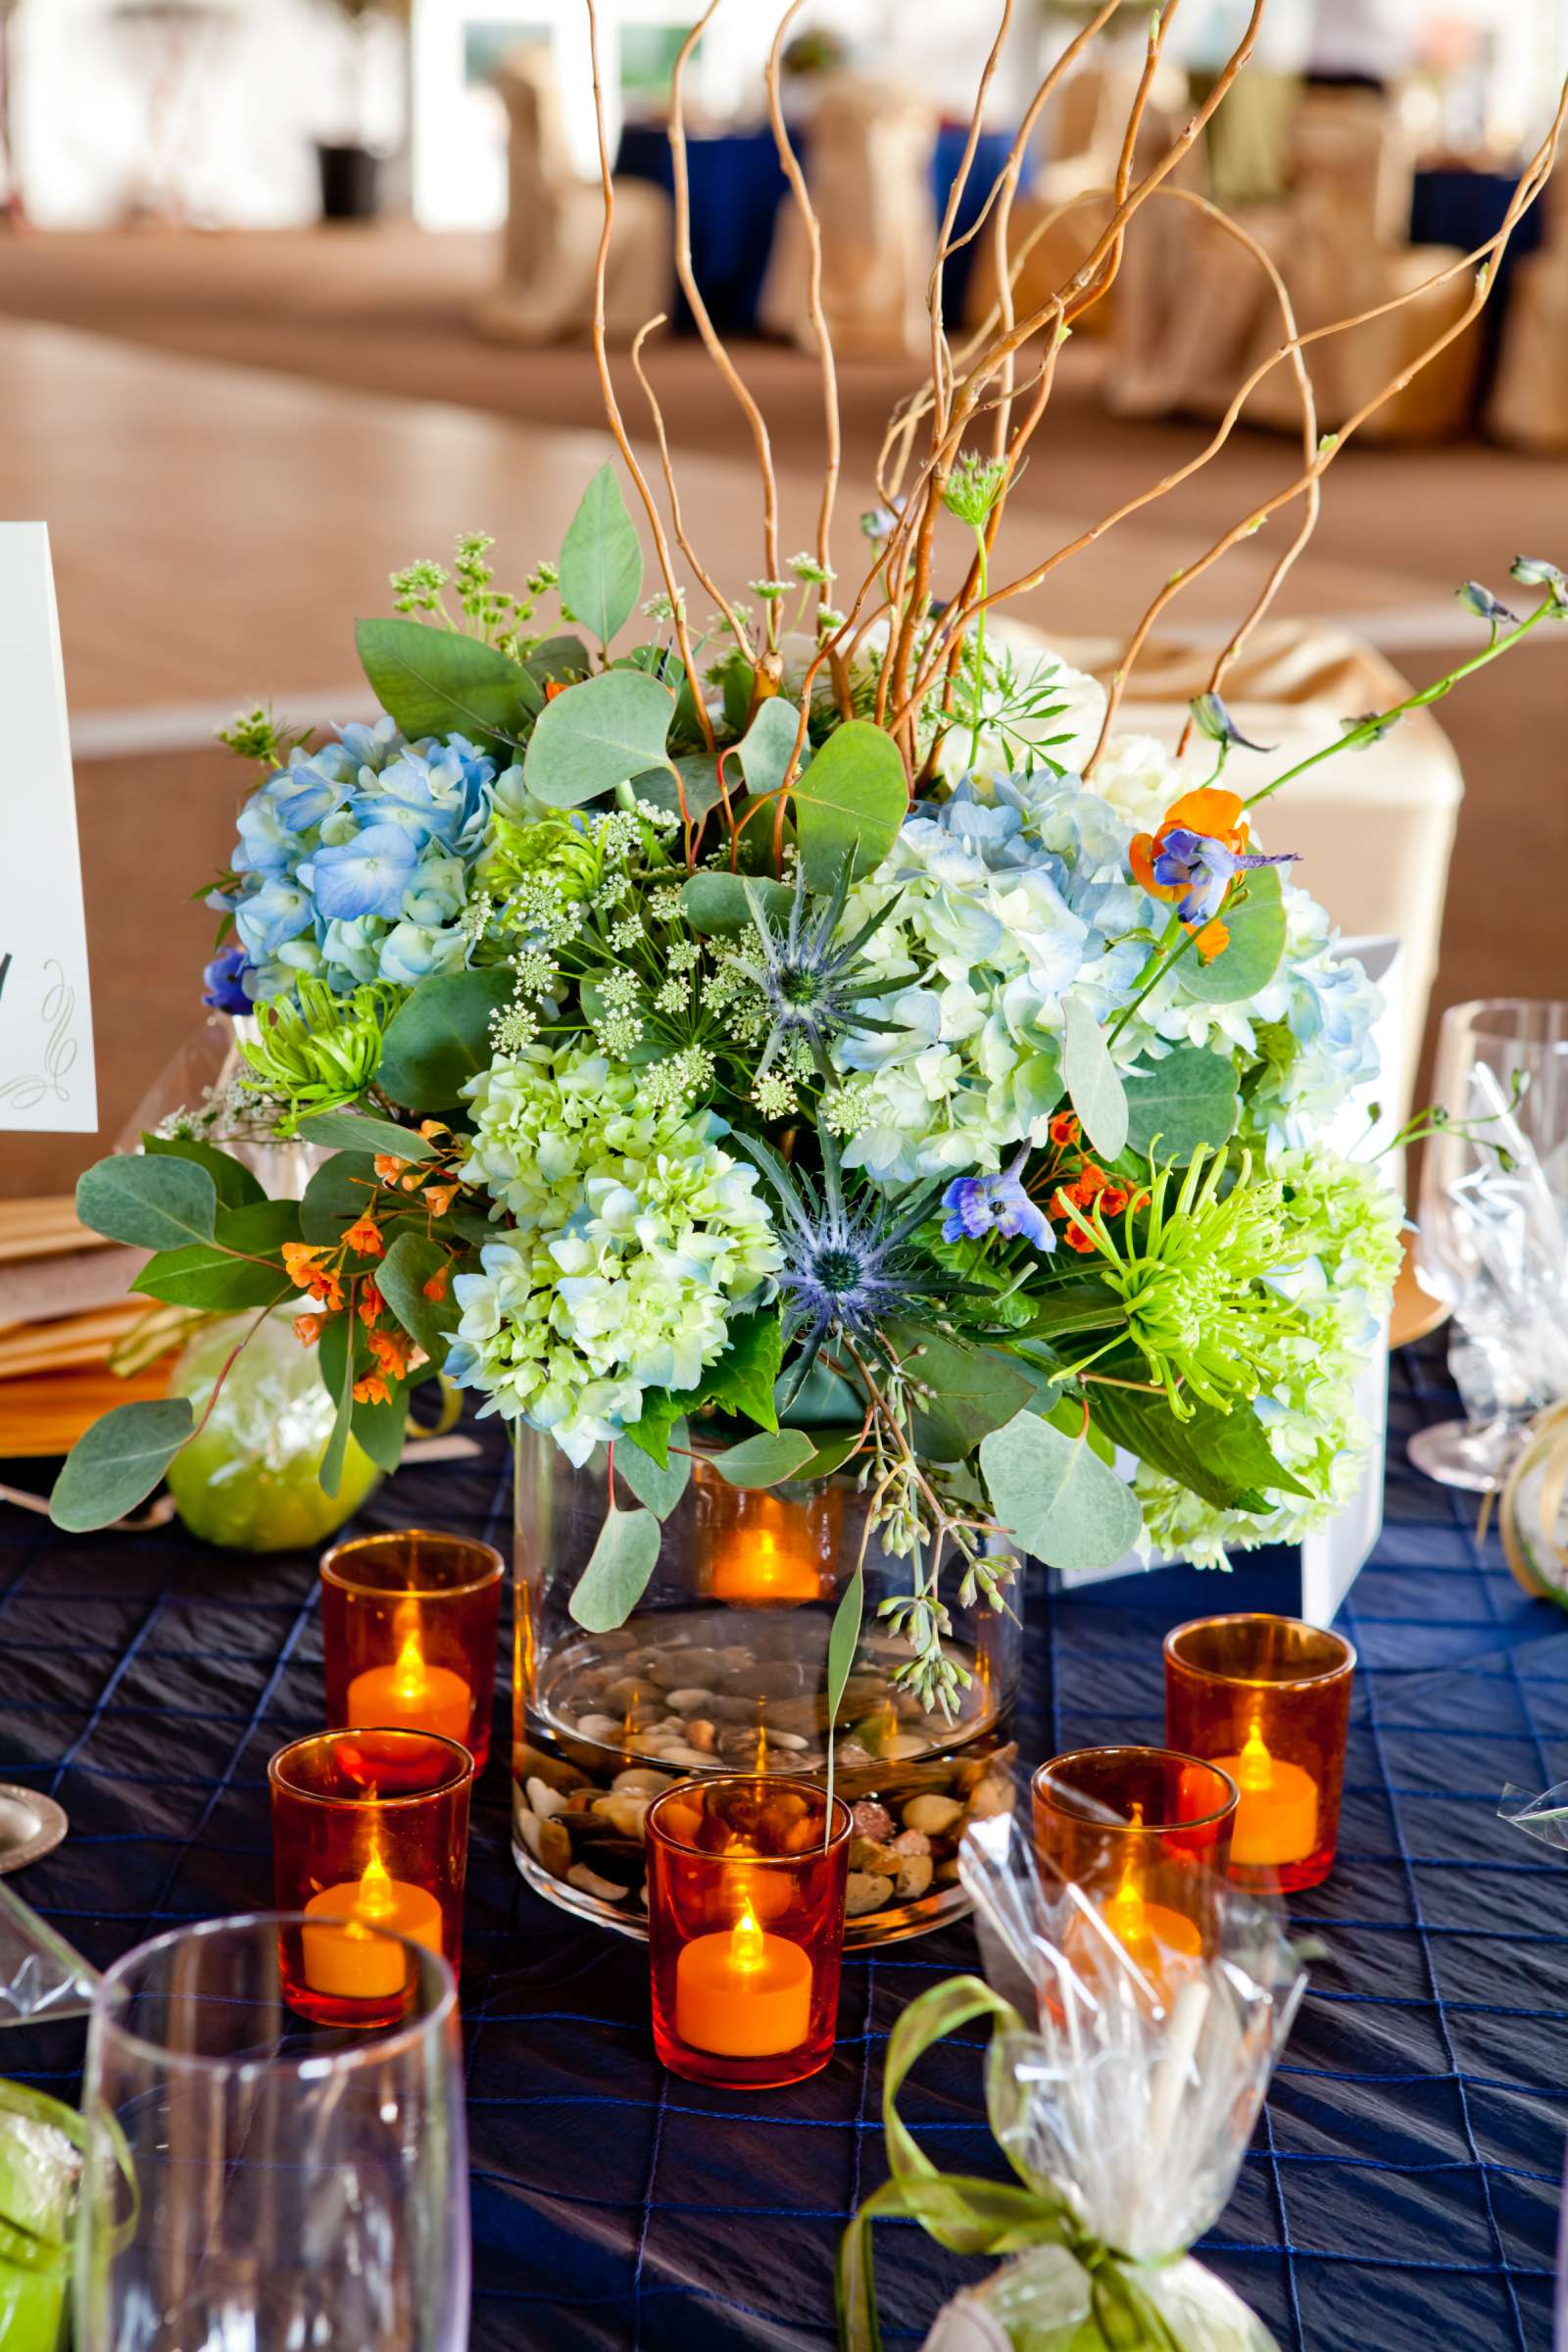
column 47, row 1082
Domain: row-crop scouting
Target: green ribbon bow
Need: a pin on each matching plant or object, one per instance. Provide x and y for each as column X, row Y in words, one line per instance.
column 985, row 2217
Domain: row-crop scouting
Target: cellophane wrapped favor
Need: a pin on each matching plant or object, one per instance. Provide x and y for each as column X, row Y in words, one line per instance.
column 1121, row 2090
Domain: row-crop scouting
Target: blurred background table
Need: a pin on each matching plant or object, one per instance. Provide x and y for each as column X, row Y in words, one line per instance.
column 1401, row 2189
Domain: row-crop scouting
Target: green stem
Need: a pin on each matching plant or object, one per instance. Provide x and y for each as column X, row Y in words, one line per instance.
column 1369, row 729
column 979, row 647
column 1166, row 955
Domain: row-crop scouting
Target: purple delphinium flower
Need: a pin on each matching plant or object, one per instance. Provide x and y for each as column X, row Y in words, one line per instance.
column 1203, row 868
column 224, row 992
column 980, row 1204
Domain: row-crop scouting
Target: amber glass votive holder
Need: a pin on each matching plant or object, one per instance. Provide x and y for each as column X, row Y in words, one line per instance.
column 1143, row 1832
column 746, row 1884
column 1267, row 1700
column 370, row 1831
column 409, row 1633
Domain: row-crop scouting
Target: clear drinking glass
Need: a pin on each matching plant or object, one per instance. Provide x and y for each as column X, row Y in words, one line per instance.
column 1493, row 1228
column 256, row 2185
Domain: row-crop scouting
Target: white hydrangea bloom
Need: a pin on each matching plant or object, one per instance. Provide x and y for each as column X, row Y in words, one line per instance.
column 637, row 1237
column 1140, row 778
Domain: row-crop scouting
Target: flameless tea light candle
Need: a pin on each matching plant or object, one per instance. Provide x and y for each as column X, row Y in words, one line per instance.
column 1269, row 1701
column 409, row 1633
column 369, row 1833
column 1141, row 1832
column 746, row 1883
column 766, row 1550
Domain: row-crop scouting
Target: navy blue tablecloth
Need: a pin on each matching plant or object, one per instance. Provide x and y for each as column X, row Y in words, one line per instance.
column 1401, row 2189
column 737, row 185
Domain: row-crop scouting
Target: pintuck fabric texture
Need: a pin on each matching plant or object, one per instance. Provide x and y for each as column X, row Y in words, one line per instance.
column 1401, row 2190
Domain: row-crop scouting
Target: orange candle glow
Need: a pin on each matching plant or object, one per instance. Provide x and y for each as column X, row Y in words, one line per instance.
column 351, row 1964
column 742, row 1993
column 1276, row 1819
column 760, row 1565
column 412, row 1696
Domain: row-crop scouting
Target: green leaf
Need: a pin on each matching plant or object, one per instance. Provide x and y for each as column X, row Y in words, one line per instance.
column 235, row 1186
column 440, row 1038
column 115, row 1463
column 209, row 1275
column 833, row 1449
column 851, row 801
column 1065, row 1507
column 1256, row 944
column 973, row 1389
column 659, row 1487
column 822, row 1399
column 600, row 560
column 766, row 1459
column 362, row 1131
column 699, row 780
column 618, row 1571
column 1092, row 1086
column 740, row 1381
column 842, row 1641
column 558, row 662
column 1188, row 1099
column 153, row 1204
column 599, row 734
column 436, row 681
column 1219, row 1456
column 413, row 1261
column 766, row 745
column 335, row 1358
column 717, row 903
column 338, row 1196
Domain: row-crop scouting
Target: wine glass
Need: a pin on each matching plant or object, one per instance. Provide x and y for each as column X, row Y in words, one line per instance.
column 1493, row 1228
column 252, row 2183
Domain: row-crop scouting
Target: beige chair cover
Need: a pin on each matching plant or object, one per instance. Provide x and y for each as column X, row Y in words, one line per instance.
column 869, row 173
column 1374, row 828
column 1528, row 403
column 554, row 221
column 1338, row 244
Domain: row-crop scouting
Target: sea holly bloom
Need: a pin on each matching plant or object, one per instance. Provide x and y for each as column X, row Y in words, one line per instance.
column 980, row 1204
column 1195, row 855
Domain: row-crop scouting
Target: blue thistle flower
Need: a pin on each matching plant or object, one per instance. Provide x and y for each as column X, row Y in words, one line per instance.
column 814, row 986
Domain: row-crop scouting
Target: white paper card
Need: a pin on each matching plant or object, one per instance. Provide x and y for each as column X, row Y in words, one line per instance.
column 47, row 1081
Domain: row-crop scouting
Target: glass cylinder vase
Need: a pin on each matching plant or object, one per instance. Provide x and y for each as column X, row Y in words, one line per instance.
column 722, row 1668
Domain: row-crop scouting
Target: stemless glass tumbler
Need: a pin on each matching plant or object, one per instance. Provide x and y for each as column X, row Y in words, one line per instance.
column 254, row 2182
column 1143, row 1832
column 409, row 1633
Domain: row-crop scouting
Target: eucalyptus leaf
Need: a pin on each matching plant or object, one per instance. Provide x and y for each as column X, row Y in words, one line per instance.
column 767, row 744
column 413, row 1261
column 965, row 1390
column 362, row 1130
column 151, row 1203
column 1245, row 967
column 766, row 1459
column 336, row 1357
column 234, row 1182
column 842, row 1641
column 115, row 1463
column 1094, row 1087
column 601, row 558
column 1178, row 1104
column 698, row 772
column 1063, row 1503
column 438, row 681
column 850, row 803
column 598, row 735
column 379, row 1428
column 717, row 903
column 440, row 1038
column 660, row 1489
column 834, row 1449
column 559, row 660
column 240, row 1267
column 336, row 1196
column 618, row 1571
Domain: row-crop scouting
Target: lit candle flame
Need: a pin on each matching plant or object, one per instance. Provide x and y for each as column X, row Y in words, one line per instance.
column 1254, row 1772
column 746, row 1944
column 1125, row 1913
column 408, row 1678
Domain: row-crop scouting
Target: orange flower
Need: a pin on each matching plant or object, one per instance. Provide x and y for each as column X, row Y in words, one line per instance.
column 364, row 1237
column 391, row 1352
column 1076, row 1238
column 1213, row 940
column 554, row 686
column 389, row 1168
column 431, row 1128
column 440, row 1197
column 1064, row 1129
column 435, row 1289
column 370, row 1303
column 1221, row 816
column 307, row 1329
column 371, row 1390
column 301, row 1263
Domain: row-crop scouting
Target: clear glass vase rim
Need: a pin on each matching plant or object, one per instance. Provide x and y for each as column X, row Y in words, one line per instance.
column 1345, row 1665
column 1470, row 1016
column 371, row 2046
column 495, row 1567
column 775, row 1783
column 461, row 1772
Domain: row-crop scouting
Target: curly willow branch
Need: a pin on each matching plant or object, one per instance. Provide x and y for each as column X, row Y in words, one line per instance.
column 831, row 429
column 677, row 523
column 607, row 388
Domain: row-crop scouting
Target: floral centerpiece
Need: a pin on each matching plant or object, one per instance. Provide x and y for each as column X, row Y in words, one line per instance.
column 815, row 1030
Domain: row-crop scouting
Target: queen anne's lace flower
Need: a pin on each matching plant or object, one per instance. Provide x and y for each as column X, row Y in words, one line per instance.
column 637, row 1235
